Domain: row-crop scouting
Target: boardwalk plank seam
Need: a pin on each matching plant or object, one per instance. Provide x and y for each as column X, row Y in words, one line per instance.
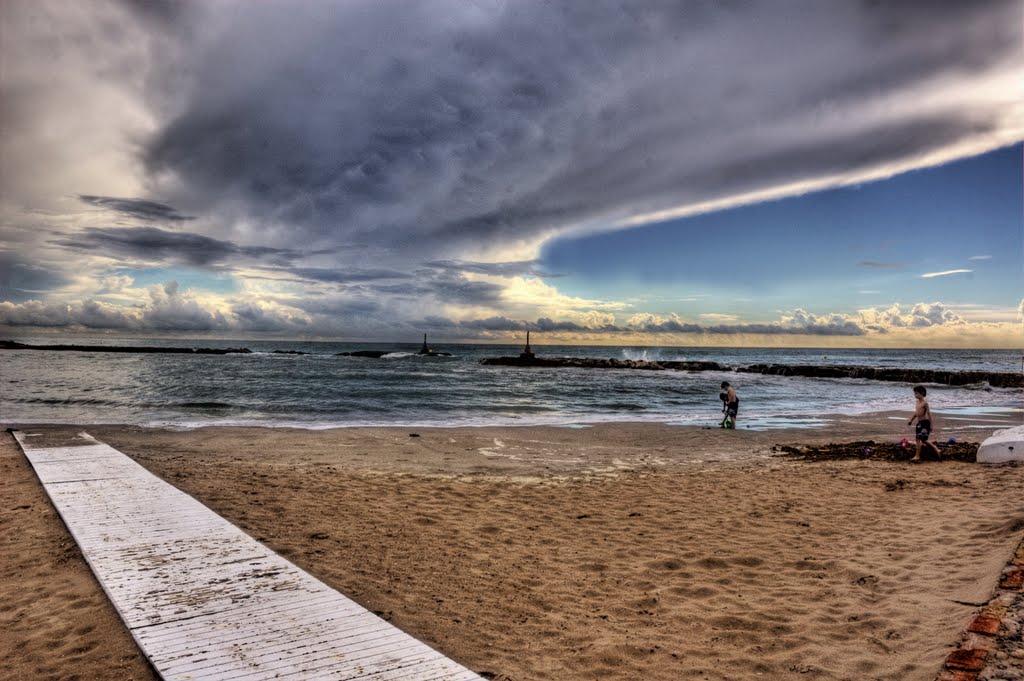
column 202, row 599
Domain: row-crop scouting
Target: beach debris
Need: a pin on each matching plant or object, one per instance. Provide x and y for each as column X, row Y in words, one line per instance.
column 414, row 434
column 875, row 451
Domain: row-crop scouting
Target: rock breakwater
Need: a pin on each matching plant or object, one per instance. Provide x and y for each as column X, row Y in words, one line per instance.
column 994, row 379
column 943, row 377
column 13, row 345
column 600, row 363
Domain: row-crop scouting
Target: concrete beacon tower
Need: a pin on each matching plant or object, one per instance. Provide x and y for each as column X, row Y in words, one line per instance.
column 527, row 353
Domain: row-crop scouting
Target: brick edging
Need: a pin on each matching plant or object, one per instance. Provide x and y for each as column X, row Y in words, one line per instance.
column 981, row 637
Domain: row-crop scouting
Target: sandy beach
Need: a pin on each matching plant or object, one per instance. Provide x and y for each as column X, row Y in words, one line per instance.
column 621, row 551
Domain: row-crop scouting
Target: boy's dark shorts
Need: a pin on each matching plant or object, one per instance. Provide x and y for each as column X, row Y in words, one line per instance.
column 732, row 408
column 924, row 430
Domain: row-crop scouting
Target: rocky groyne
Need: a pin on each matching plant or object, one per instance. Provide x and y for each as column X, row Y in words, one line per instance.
column 600, row 363
column 377, row 354
column 942, row 377
column 994, row 379
column 13, row 345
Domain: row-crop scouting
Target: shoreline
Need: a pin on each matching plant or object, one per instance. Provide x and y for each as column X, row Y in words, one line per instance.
column 620, row 551
column 974, row 417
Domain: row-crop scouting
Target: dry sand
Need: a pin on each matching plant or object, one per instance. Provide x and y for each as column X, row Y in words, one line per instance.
column 622, row 551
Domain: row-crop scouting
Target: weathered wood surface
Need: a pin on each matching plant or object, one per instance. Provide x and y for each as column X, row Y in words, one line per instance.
column 203, row 599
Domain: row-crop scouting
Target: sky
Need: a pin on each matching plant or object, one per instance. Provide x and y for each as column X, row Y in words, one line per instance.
column 791, row 173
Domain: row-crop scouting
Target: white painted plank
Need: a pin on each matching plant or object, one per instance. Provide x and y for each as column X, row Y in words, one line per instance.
column 203, row 599
column 213, row 644
column 309, row 651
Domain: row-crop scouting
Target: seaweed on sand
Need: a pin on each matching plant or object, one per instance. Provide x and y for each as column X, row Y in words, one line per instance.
column 877, row 451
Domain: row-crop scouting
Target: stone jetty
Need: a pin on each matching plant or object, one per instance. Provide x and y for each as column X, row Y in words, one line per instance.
column 13, row 345
column 994, row 379
column 525, row 360
column 373, row 354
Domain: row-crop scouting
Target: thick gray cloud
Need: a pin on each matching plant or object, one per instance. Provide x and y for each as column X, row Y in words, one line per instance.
column 430, row 126
column 21, row 280
column 373, row 154
column 136, row 208
column 345, row 276
column 445, row 290
column 152, row 243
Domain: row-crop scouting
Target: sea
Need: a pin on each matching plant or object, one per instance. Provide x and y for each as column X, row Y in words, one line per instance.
column 324, row 390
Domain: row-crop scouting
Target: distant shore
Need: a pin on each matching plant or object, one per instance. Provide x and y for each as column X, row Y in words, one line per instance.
column 619, row 551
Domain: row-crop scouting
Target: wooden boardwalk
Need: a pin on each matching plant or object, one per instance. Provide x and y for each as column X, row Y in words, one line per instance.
column 203, row 599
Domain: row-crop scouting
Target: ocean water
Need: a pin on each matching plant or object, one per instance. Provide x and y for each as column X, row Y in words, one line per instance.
column 322, row 390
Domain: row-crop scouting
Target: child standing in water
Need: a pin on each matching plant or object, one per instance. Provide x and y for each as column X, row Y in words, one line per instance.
column 732, row 405
column 923, row 414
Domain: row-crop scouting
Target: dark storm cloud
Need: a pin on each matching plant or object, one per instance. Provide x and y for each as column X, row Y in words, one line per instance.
column 153, row 244
column 136, row 208
column 345, row 275
column 428, row 127
column 426, row 286
column 375, row 153
column 21, row 280
column 445, row 289
column 495, row 323
column 162, row 13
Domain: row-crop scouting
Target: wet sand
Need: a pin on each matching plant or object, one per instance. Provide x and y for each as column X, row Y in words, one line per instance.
column 622, row 551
